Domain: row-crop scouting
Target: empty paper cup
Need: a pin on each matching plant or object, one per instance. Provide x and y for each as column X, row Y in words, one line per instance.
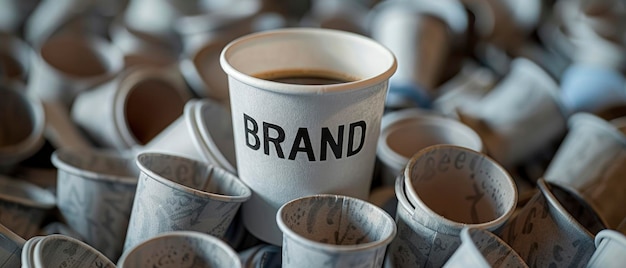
column 65, row 65
column 309, row 131
column 23, row 206
column 11, row 246
column 404, row 133
column 520, row 117
column 14, row 57
column 22, row 123
column 64, row 251
column 133, row 108
column 481, row 248
column 181, row 249
column 554, row 228
column 446, row 188
column 95, row 192
column 177, row 193
column 334, row 231
column 610, row 248
column 204, row 132
column 592, row 161
column 470, row 85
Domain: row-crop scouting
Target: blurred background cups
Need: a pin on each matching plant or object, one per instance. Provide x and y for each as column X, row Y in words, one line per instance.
column 554, row 228
column 204, row 132
column 62, row 251
column 520, row 116
column 67, row 64
column 23, row 206
column 309, row 132
column 446, row 188
column 180, row 249
column 177, row 193
column 591, row 160
column 481, row 248
column 11, row 246
column 132, row 108
column 95, row 194
column 592, row 88
column 610, row 248
column 22, row 122
column 14, row 57
column 405, row 132
column 334, row 231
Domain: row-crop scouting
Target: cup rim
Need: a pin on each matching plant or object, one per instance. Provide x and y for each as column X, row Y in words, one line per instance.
column 466, row 236
column 35, row 139
column 37, row 251
column 610, row 235
column 205, row 132
column 182, row 234
column 64, row 166
column 295, row 89
column 247, row 193
column 581, row 119
column 446, row 224
column 332, row 247
column 42, row 198
column 451, row 13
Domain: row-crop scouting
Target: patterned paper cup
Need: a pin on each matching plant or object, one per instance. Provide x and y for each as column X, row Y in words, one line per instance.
column 181, row 249
column 11, row 246
column 334, row 231
column 177, row 193
column 481, row 248
column 95, row 194
column 64, row 251
column 23, row 206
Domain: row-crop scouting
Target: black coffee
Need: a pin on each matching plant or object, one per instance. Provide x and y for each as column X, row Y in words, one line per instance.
column 305, row 77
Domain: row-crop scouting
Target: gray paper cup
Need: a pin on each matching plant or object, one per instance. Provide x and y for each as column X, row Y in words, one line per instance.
column 11, row 246
column 444, row 189
column 181, row 249
column 23, row 206
column 610, row 248
column 177, row 193
column 64, row 251
column 95, row 194
column 481, row 248
column 555, row 227
column 334, row 231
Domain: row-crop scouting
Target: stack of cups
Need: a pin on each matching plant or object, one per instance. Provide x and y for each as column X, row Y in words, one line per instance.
column 61, row 251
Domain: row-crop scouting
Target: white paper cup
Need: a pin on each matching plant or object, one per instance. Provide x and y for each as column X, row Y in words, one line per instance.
column 520, row 116
column 481, row 248
column 95, row 194
column 23, row 206
column 405, row 132
column 444, row 189
column 22, row 122
column 555, row 227
column 133, row 108
column 14, row 57
column 27, row 257
column 203, row 72
column 67, row 64
column 177, row 193
column 310, row 133
column 334, row 231
column 11, row 246
column 592, row 160
column 610, row 248
column 592, row 88
column 181, row 249
column 60, row 251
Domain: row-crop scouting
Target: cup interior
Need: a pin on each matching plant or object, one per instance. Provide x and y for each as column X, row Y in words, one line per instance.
column 336, row 220
column 77, row 56
column 17, row 118
column 63, row 251
column 181, row 249
column 460, row 185
column 578, row 208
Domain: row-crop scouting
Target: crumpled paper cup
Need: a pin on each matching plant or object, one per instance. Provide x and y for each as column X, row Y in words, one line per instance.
column 177, row 193
column 23, row 206
column 610, row 248
column 481, row 248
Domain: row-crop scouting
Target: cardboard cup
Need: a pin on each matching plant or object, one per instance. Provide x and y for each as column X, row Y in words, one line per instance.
column 592, row 160
column 555, row 227
column 521, row 116
column 481, row 248
column 334, row 231
column 23, row 206
column 181, row 249
column 65, row 65
column 14, row 57
column 444, row 189
column 405, row 132
column 310, row 133
column 95, row 192
column 133, row 108
column 11, row 246
column 177, row 193
column 22, row 122
column 610, row 248
column 59, row 251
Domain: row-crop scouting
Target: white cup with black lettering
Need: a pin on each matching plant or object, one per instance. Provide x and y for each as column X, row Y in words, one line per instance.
column 296, row 138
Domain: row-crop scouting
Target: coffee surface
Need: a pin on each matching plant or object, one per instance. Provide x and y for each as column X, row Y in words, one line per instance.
column 305, row 77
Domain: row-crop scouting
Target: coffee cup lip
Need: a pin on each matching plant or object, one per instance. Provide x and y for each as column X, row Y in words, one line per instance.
column 387, row 70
